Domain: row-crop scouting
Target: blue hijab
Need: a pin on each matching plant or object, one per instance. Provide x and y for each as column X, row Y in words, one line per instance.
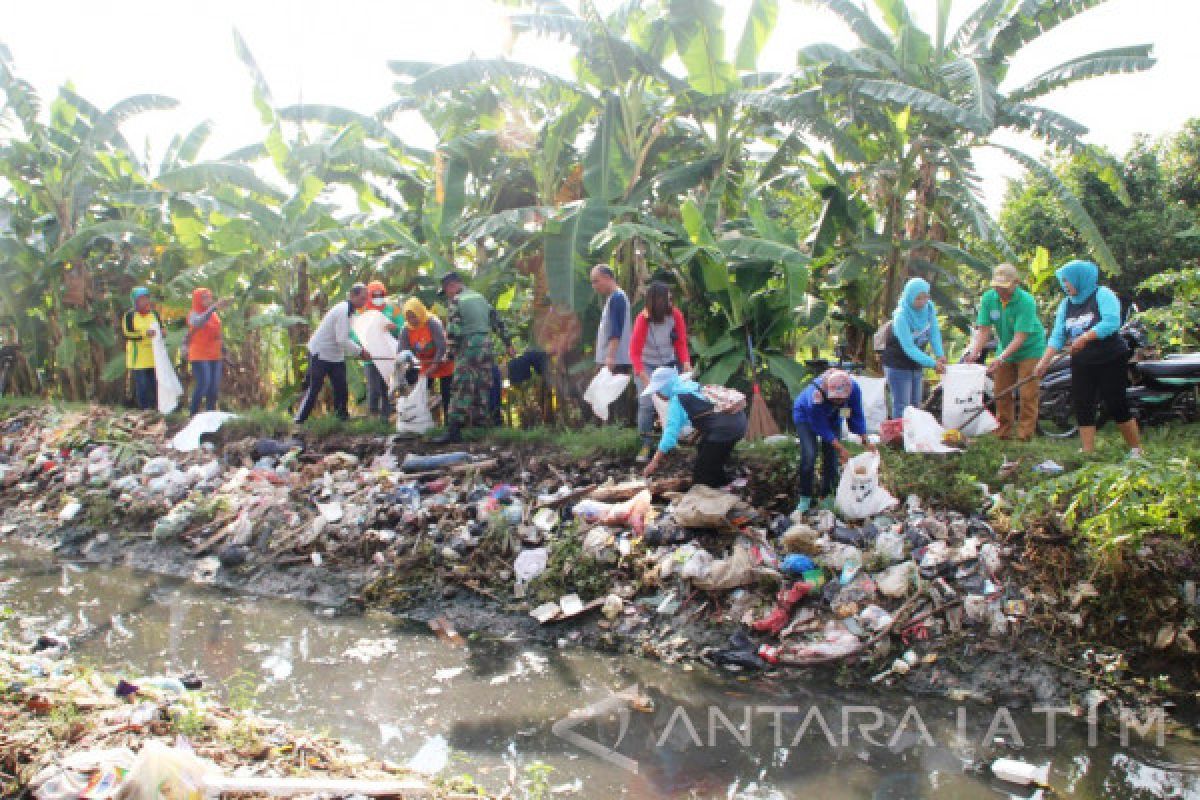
column 917, row 319
column 680, row 385
column 1083, row 275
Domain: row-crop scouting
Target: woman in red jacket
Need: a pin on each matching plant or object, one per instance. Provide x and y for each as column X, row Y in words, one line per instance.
column 659, row 339
column 204, row 348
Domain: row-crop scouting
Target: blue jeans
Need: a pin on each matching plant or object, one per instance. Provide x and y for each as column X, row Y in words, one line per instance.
column 647, row 413
column 807, row 471
column 207, row 375
column 905, row 386
column 145, row 388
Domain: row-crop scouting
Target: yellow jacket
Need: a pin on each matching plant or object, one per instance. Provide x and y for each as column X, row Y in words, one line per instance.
column 139, row 354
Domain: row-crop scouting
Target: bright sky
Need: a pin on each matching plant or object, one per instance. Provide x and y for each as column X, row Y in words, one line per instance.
column 336, row 52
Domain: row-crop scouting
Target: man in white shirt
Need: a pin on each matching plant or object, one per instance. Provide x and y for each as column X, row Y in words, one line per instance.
column 327, row 350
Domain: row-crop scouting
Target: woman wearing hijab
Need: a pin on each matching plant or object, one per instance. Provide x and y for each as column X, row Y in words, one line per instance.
column 719, row 430
column 1088, row 324
column 914, row 327
column 659, row 339
column 204, row 347
column 377, row 388
column 425, row 337
column 818, row 413
column 140, row 325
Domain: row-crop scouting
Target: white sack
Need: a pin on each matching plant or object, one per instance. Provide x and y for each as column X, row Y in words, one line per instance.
column 922, row 433
column 412, row 410
column 604, row 389
column 963, row 396
column 859, row 494
column 169, row 387
column 188, row 439
column 371, row 329
column 874, row 400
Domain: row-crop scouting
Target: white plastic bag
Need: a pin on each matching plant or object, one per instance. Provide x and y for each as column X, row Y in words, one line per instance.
column 604, row 389
column 962, row 397
column 169, row 387
column 188, row 439
column 412, row 410
column 859, row 494
column 370, row 327
column 874, row 400
column 922, row 433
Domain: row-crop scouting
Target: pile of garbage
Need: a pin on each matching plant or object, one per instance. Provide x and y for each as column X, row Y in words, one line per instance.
column 651, row 566
column 67, row 731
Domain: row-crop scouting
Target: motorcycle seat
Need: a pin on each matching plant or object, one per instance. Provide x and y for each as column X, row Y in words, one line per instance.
column 1179, row 366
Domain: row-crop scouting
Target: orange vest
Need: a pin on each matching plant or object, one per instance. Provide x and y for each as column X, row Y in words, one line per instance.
column 204, row 342
column 421, row 341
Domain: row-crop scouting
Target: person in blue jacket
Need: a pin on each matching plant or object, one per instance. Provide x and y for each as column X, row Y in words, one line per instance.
column 720, row 431
column 818, row 413
column 914, row 327
column 1088, row 325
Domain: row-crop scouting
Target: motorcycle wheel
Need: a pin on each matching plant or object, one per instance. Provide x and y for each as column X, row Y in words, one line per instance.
column 1055, row 419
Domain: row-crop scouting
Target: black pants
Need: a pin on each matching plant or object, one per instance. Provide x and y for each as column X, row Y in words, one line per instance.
column 1108, row 382
column 711, row 458
column 378, row 400
column 318, row 370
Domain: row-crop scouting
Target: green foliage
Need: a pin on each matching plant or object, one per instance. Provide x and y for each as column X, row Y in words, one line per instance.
column 1115, row 506
column 1178, row 321
column 569, row 569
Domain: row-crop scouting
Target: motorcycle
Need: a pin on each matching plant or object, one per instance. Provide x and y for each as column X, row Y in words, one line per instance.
column 1160, row 389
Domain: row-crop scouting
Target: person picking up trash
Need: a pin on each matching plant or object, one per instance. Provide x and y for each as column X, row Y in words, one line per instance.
column 1088, row 326
column 818, row 413
column 718, row 414
column 328, row 348
column 425, row 337
column 914, row 327
column 140, row 325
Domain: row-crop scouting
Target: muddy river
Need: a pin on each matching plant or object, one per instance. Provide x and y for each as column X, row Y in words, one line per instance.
column 492, row 704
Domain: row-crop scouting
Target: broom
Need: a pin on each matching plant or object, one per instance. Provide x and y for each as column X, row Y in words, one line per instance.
column 761, row 423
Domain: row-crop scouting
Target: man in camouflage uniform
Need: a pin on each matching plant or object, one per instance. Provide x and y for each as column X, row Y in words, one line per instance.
column 469, row 329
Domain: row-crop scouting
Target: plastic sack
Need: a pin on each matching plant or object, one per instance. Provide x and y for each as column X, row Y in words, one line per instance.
column 604, row 389
column 704, row 507
column 859, row 494
column 963, row 390
column 530, row 564
column 162, row 771
column 874, row 400
column 412, row 410
column 169, row 387
column 922, row 433
column 890, row 546
column 188, row 439
column 370, row 328
column 895, row 582
column 729, row 573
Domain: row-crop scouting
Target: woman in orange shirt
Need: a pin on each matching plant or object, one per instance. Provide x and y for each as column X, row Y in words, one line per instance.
column 424, row 335
column 205, row 348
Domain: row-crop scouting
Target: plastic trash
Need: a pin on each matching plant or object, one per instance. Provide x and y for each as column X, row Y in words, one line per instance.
column 604, row 389
column 162, row 771
column 875, row 618
column 419, row 463
column 1020, row 773
column 797, row 564
column 160, row 465
column 1049, row 467
column 70, row 510
column 896, row 581
column 188, row 439
column 704, row 507
column 890, row 546
column 874, row 401
column 530, row 564
column 923, row 433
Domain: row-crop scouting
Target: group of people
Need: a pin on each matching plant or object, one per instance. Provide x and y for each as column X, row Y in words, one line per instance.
column 458, row 355
column 652, row 348
column 1086, row 326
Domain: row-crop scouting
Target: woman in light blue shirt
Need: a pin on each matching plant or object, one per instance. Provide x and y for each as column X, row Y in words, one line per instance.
column 914, row 327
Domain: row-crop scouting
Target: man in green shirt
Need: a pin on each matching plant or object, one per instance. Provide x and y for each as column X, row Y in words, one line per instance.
column 469, row 329
column 1011, row 313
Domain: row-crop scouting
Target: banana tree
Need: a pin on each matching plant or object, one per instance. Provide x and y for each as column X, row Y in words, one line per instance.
column 69, row 253
column 921, row 105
